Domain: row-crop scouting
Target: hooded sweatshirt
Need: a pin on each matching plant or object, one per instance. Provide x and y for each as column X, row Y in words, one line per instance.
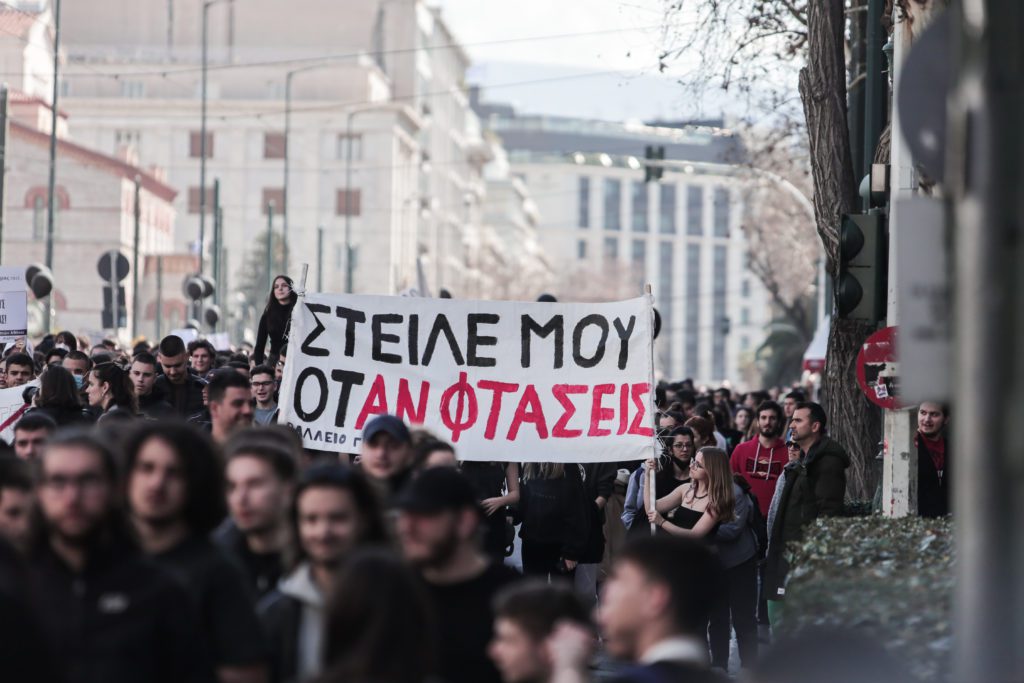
column 293, row 616
column 761, row 467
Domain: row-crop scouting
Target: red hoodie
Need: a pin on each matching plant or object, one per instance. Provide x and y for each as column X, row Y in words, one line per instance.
column 761, row 467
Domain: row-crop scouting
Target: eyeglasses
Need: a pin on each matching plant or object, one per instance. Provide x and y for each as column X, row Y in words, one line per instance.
column 86, row 483
column 682, row 445
column 261, row 385
column 696, row 465
column 793, row 446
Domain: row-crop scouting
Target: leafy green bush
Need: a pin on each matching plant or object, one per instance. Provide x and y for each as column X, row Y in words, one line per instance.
column 891, row 579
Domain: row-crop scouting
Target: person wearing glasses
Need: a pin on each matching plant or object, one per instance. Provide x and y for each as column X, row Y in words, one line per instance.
column 263, row 386
column 106, row 613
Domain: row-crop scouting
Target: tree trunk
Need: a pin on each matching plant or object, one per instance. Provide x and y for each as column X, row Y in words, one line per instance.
column 853, row 420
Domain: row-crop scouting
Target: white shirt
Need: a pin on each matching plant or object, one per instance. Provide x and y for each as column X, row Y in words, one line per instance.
column 677, row 649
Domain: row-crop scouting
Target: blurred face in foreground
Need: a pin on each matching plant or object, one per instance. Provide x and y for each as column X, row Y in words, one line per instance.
column 329, row 524
column 74, row 493
column 157, row 490
column 257, row 497
column 385, row 456
column 518, row 657
column 629, row 601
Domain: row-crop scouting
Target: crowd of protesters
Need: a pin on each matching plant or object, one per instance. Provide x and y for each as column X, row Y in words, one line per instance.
column 157, row 524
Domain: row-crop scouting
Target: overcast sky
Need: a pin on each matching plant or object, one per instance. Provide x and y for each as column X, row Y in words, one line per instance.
column 610, row 74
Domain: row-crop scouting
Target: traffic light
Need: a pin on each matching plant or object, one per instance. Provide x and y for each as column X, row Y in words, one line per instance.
column 863, row 269
column 652, row 153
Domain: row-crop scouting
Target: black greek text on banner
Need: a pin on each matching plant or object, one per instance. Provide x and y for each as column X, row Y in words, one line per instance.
column 500, row 380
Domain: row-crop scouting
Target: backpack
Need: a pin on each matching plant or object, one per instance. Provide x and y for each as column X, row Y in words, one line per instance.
column 755, row 519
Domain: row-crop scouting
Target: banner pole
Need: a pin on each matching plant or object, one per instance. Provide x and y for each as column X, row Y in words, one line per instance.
column 653, row 502
column 302, row 280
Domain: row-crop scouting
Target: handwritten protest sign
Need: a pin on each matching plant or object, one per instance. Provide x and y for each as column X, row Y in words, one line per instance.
column 12, row 407
column 500, row 380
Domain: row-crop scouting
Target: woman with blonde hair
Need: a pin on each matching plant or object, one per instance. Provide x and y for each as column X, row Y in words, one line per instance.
column 554, row 520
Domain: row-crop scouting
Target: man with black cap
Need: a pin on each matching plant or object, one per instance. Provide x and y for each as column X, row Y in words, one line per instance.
column 386, row 455
column 438, row 525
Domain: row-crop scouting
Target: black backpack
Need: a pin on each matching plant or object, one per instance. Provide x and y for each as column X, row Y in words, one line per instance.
column 757, row 522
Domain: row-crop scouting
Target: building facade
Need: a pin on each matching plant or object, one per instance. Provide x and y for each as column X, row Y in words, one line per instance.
column 681, row 234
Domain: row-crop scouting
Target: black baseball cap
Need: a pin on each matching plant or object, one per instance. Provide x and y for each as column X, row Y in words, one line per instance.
column 437, row 489
column 389, row 424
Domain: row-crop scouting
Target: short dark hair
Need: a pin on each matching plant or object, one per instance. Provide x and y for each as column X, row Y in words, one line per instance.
column 15, row 474
column 774, row 407
column 237, row 365
column 536, row 606
column 687, row 567
column 251, row 444
column 60, row 353
column 261, row 370
column 145, row 358
column 675, row 415
column 20, row 359
column 686, row 396
column 797, row 395
column 681, row 431
column 204, row 504
column 34, row 420
column 80, row 355
column 201, row 344
column 223, row 379
column 172, row 345
column 817, row 413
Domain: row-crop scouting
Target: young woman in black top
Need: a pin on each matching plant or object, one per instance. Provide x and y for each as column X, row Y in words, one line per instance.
column 699, row 506
column 276, row 318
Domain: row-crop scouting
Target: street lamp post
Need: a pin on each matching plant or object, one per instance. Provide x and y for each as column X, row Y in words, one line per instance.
column 349, row 115
column 202, row 135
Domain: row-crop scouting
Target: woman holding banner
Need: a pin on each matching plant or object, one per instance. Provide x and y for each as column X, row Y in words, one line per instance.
column 276, row 318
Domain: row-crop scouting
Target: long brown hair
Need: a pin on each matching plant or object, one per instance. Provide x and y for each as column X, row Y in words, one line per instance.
column 703, row 428
column 721, row 500
column 544, row 470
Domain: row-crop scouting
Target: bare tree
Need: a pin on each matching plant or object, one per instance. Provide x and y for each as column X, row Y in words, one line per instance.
column 744, row 44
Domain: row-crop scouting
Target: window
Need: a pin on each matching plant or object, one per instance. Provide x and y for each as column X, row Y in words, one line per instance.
column 721, row 212
column 611, row 248
column 744, row 343
column 639, row 206
column 584, row 202
column 695, row 210
column 667, row 209
column 692, row 345
column 721, row 328
column 349, row 203
column 745, row 289
column 127, row 138
column 274, row 145
column 639, row 255
column 341, row 149
column 744, row 316
column 39, row 218
column 612, row 204
column 133, row 89
column 195, row 145
column 273, row 195
column 581, row 249
column 193, row 200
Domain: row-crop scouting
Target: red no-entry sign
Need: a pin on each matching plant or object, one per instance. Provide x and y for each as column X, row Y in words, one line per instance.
column 878, row 369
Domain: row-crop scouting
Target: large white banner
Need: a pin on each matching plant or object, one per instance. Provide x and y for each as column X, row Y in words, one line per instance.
column 500, row 380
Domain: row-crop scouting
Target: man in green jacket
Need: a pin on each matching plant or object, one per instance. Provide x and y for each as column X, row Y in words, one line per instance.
column 811, row 486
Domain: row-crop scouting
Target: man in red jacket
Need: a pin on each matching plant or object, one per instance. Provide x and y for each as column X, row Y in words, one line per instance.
column 760, row 460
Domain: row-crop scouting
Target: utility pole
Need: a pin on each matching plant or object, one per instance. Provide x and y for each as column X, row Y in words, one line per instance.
column 985, row 170
column 159, row 296
column 216, row 239
column 137, row 216
column 52, row 187
column 320, row 258
column 3, row 163
column 270, row 244
column 202, row 132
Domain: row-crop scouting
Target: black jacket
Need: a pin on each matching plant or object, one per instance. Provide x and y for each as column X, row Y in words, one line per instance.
column 554, row 511
column 668, row 672
column 282, row 618
column 65, row 415
column 122, row 619
column 187, row 404
column 598, row 482
column 273, row 325
column 155, row 406
column 932, row 488
column 814, row 486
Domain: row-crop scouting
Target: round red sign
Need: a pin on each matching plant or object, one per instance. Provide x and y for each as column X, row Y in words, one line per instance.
column 878, row 369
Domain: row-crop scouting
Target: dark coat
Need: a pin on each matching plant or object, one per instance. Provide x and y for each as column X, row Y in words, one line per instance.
column 274, row 324
column 193, row 399
column 65, row 415
column 554, row 511
column 814, row 486
column 932, row 488
column 598, row 482
column 282, row 618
